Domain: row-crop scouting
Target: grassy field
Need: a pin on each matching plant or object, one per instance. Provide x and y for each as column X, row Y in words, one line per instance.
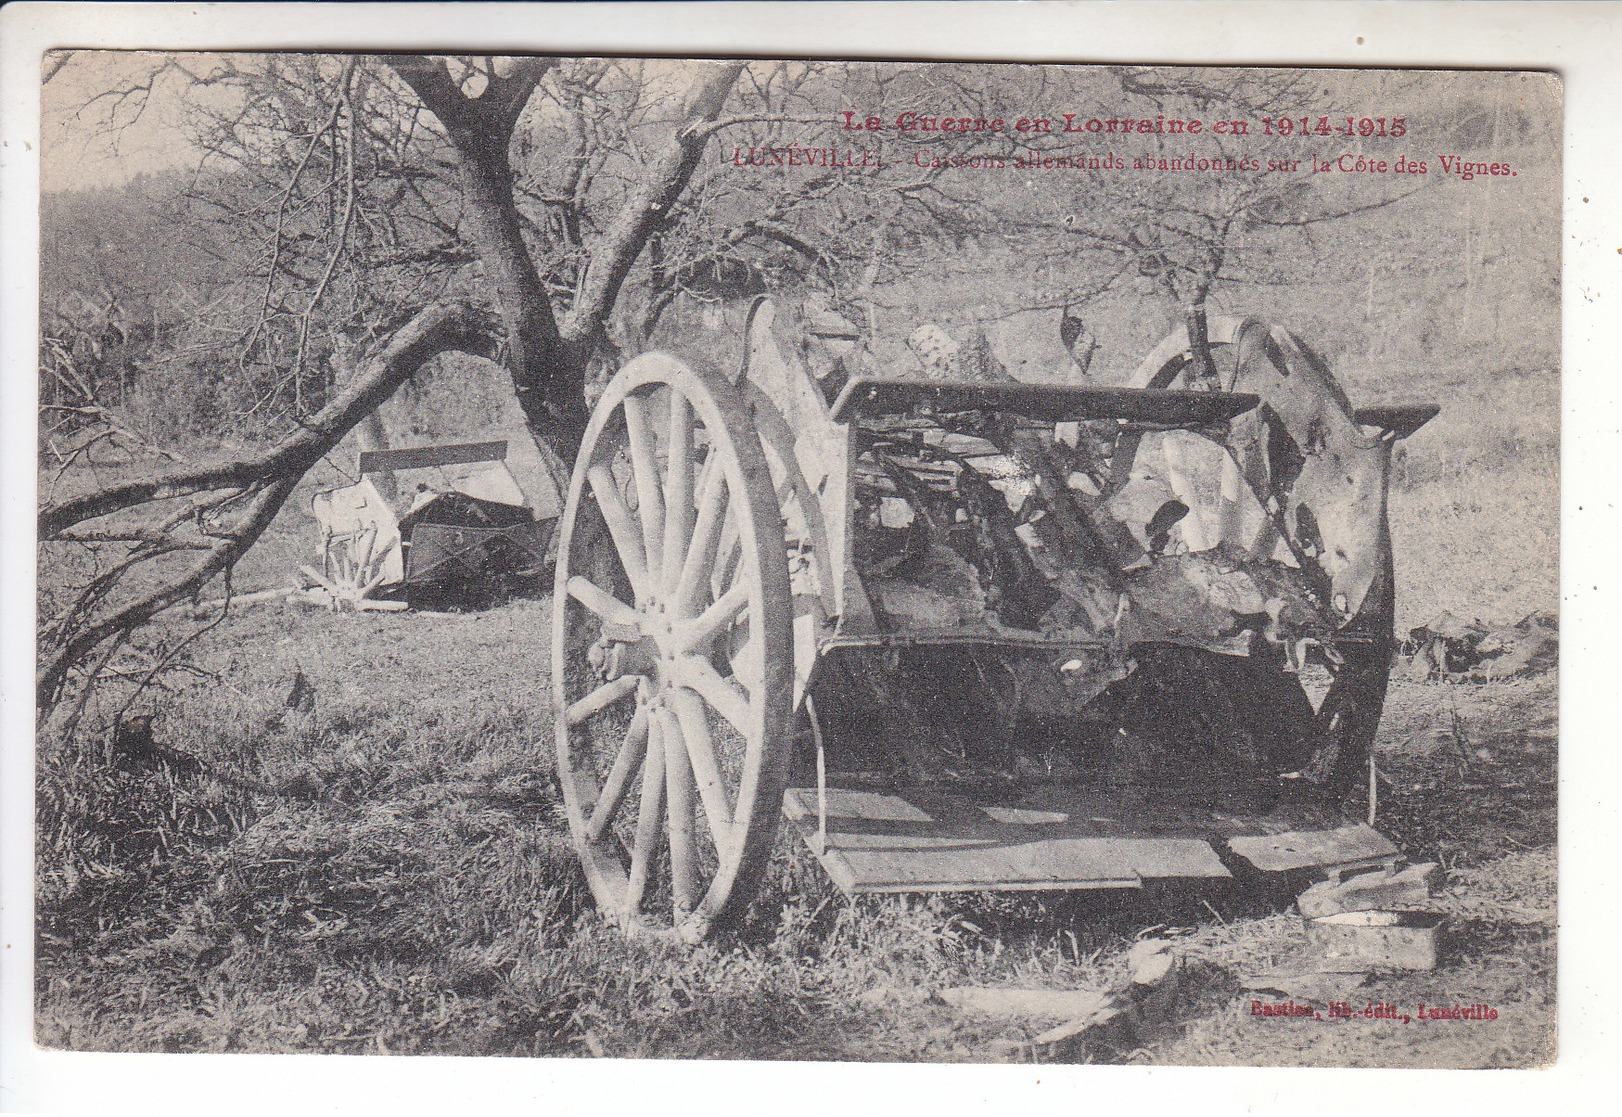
column 411, row 888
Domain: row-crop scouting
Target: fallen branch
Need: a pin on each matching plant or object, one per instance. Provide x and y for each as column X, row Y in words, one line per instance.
column 221, row 556
column 438, row 329
column 263, row 483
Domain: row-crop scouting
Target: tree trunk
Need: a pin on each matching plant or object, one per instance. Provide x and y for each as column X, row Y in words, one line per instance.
column 547, row 364
column 548, row 376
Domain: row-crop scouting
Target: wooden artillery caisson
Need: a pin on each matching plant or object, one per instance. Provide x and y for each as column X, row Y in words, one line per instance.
column 997, row 635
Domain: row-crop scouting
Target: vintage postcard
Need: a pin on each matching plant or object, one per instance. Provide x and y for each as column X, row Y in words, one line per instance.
column 603, row 556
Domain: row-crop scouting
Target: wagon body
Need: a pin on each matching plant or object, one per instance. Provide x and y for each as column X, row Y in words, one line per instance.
column 993, row 599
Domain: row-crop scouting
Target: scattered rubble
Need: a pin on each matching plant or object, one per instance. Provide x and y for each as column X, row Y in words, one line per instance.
column 1384, row 940
column 1409, row 889
column 1382, row 920
column 1131, row 1013
column 1455, row 650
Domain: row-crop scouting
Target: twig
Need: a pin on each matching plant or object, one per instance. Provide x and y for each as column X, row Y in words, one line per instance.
column 72, row 457
column 70, row 722
column 169, row 656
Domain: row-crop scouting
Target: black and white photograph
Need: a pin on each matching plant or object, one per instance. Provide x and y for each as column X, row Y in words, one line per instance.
column 621, row 556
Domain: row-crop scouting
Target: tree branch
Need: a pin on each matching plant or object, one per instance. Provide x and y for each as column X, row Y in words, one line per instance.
column 650, row 205
column 439, row 329
column 222, row 555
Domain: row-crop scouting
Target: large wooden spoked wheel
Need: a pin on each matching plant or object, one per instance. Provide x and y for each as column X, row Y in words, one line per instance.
column 1219, row 483
column 672, row 673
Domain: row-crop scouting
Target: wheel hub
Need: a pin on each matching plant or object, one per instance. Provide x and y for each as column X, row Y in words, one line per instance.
column 650, row 649
column 618, row 654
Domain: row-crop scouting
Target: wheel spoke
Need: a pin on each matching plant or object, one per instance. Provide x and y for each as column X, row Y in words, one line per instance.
column 326, row 583
column 649, row 492
column 728, row 556
column 363, row 570
column 631, row 753
column 601, row 602
column 679, row 814
column 712, row 506
column 621, row 527
column 712, row 790
column 724, row 697
column 601, row 698
column 649, row 821
column 785, row 493
column 679, row 509
column 719, row 615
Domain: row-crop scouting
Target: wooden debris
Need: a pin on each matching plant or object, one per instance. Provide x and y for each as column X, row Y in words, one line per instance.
column 236, row 600
column 1157, row 981
column 1049, row 1004
column 1133, row 1012
column 1408, row 889
column 324, row 598
column 1342, row 852
column 1382, row 940
column 1109, row 1026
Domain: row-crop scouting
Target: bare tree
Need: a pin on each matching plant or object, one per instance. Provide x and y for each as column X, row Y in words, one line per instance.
column 546, row 346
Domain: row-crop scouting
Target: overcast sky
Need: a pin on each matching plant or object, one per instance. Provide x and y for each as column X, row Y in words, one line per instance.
column 80, row 146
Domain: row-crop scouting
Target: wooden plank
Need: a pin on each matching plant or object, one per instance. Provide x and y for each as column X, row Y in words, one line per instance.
column 936, row 842
column 424, row 457
column 869, row 396
column 1025, row 1004
column 1313, row 849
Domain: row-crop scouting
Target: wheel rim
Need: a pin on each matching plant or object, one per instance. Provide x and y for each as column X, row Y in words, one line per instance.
column 672, row 676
